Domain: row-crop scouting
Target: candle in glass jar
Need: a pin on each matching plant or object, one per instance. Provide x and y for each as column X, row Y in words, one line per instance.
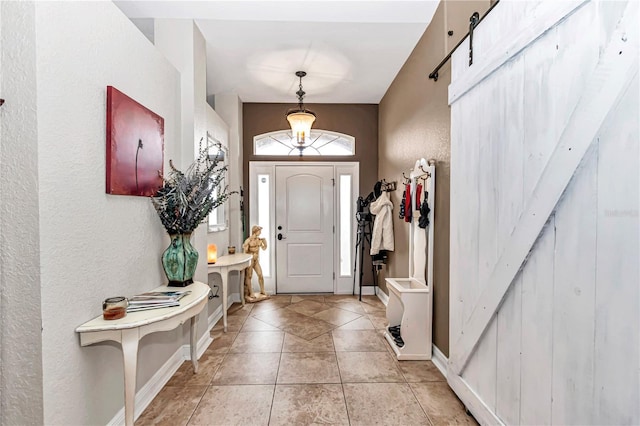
column 114, row 308
column 212, row 253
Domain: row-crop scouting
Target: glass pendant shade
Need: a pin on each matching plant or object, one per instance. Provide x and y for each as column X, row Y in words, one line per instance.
column 300, row 122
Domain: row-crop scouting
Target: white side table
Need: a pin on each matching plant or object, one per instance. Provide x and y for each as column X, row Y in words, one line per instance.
column 135, row 325
column 224, row 265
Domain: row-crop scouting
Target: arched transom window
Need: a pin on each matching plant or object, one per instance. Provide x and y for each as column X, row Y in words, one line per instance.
column 321, row 142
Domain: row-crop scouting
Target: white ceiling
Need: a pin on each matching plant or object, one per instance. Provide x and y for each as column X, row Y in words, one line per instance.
column 351, row 50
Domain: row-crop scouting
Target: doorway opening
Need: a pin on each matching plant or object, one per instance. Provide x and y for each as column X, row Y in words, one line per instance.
column 307, row 213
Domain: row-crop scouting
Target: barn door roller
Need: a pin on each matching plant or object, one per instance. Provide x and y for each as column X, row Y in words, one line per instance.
column 474, row 20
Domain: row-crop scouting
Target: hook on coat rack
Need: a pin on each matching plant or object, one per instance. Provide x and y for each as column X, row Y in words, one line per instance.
column 426, row 174
column 406, row 181
column 388, row 186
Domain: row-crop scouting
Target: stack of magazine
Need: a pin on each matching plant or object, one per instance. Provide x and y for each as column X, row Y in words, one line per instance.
column 155, row 300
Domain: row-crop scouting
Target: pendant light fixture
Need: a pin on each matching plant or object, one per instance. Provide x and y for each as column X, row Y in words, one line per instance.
column 300, row 119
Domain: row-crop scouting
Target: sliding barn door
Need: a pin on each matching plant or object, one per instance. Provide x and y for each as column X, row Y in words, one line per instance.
column 544, row 215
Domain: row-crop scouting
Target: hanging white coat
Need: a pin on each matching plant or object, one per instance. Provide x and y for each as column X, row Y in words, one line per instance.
column 382, row 235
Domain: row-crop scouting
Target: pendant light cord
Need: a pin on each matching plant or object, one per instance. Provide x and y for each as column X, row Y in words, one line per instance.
column 300, row 94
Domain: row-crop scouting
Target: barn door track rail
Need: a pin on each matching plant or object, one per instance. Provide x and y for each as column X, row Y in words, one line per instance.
column 474, row 20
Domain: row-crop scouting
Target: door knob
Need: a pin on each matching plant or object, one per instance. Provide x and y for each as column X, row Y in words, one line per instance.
column 280, row 237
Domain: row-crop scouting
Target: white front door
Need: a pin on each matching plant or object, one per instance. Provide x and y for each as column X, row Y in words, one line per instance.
column 304, row 229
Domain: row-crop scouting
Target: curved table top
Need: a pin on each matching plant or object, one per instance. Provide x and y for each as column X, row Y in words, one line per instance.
column 231, row 259
column 199, row 292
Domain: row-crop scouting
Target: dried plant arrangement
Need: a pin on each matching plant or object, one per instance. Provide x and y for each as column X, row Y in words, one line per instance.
column 186, row 198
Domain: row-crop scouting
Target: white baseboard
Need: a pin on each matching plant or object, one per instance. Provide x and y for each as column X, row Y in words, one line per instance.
column 369, row 290
column 217, row 314
column 202, row 346
column 214, row 317
column 384, row 298
column 472, row 402
column 439, row 360
column 149, row 391
column 469, row 398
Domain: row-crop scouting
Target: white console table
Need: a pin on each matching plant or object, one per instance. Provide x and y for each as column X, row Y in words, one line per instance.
column 135, row 325
column 224, row 265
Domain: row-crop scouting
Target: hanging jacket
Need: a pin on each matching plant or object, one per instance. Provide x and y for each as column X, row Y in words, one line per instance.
column 382, row 235
column 423, row 222
column 408, row 208
column 402, row 205
column 418, row 193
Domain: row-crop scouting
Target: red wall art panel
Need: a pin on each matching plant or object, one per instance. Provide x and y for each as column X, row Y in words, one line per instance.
column 135, row 146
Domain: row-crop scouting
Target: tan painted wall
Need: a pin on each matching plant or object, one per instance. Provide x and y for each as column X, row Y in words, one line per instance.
column 357, row 120
column 414, row 122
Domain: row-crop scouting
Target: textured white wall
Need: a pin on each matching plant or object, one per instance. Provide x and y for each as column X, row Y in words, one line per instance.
column 200, row 107
column 20, row 342
column 94, row 245
column 174, row 39
column 229, row 107
column 183, row 45
column 220, row 131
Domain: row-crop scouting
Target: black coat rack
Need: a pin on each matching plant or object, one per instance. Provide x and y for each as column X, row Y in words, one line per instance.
column 364, row 232
column 363, row 240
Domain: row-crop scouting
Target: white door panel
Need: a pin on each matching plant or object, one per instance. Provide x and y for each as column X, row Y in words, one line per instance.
column 305, row 260
column 304, row 212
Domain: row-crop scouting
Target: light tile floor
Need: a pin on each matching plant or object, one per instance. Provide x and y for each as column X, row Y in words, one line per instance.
column 302, row 360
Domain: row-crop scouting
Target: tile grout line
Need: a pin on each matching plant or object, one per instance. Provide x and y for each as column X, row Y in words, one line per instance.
column 344, row 395
column 208, row 386
column 275, row 384
column 420, row 405
column 206, row 389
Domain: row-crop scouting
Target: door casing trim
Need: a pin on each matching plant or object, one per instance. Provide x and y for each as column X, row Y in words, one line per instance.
column 341, row 284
